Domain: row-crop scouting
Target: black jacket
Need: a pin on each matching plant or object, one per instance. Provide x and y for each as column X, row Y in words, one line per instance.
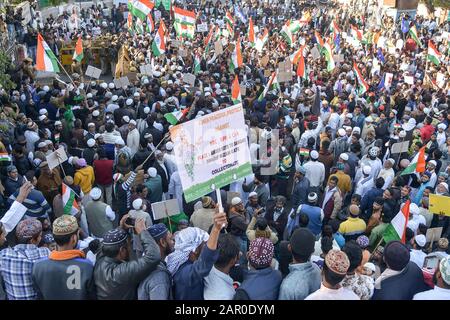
column 116, row 280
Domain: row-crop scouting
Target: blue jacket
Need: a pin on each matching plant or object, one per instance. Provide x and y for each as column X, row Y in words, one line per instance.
column 302, row 280
column 315, row 219
column 368, row 200
column 188, row 280
column 262, row 284
column 300, row 192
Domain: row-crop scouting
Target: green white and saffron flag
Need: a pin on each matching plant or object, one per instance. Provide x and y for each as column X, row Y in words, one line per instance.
column 273, row 81
column 414, row 35
column 159, row 44
column 396, row 230
column 236, row 56
column 78, row 53
column 140, row 8
column 184, row 22
column 167, row 4
column 45, row 58
column 294, row 26
column 197, row 66
column 236, row 91
column 287, row 34
column 433, row 54
column 328, row 53
column 139, row 26
column 70, row 205
column 417, row 164
column 174, row 117
column 363, row 86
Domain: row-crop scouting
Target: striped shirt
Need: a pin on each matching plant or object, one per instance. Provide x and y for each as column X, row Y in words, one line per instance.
column 37, row 206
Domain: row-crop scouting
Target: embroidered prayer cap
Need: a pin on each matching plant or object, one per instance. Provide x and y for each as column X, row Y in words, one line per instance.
column 28, row 229
column 158, row 231
column 64, row 225
column 337, row 261
column 261, row 252
column 115, row 236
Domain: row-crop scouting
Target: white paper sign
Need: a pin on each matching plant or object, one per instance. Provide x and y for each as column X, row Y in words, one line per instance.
column 400, row 147
column 388, row 80
column 399, row 44
column 218, row 48
column 146, row 69
column 56, row 157
column 157, row 15
column 165, row 209
column 202, row 27
column 189, row 78
column 315, row 53
column 409, row 80
column 211, row 151
column 93, row 72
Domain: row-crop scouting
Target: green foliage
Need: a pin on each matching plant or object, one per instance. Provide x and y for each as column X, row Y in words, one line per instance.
column 5, row 66
column 432, row 4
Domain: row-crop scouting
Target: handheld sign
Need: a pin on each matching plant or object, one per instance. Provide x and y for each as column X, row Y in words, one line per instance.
column 439, row 204
column 165, row 209
column 55, row 158
column 211, row 151
column 93, row 72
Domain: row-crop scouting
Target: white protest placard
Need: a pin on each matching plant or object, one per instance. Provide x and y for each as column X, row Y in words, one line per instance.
column 388, row 80
column 182, row 53
column 157, row 15
column 146, row 69
column 56, row 157
column 211, row 151
column 124, row 81
column 202, row 27
column 409, row 80
column 400, row 147
column 243, row 89
column 93, row 72
column 218, row 48
column 165, row 209
column 440, row 80
column 399, row 44
column 315, row 53
column 117, row 83
column 433, row 234
column 189, row 78
column 175, row 43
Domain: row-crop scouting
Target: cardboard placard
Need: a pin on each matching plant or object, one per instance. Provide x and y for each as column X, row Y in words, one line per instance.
column 56, row 157
column 315, row 53
column 202, row 27
column 400, row 147
column 175, row 43
column 164, row 209
column 243, row 89
column 122, row 82
column 409, row 80
column 93, row 72
column 182, row 53
column 439, row 204
column 218, row 48
column 132, row 77
column 231, row 195
column 146, row 69
column 284, row 77
column 433, row 234
column 189, row 78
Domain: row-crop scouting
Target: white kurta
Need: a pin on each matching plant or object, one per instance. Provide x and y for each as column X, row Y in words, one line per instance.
column 133, row 139
column 176, row 189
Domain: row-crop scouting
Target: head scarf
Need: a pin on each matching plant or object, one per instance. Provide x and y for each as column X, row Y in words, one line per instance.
column 186, row 241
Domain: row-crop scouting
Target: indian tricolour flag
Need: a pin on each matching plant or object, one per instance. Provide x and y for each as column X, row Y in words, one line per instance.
column 273, row 81
column 301, row 68
column 159, row 44
column 415, row 36
column 236, row 91
column 236, row 56
column 45, row 58
column 78, row 53
column 261, row 40
column 207, row 41
column 294, row 26
column 319, row 40
column 177, row 115
column 433, row 54
column 356, row 33
column 197, row 66
column 139, row 26
column 251, row 32
column 287, row 34
column 334, row 28
column 229, row 21
column 363, row 86
column 4, row 157
column 295, row 57
column 70, row 205
column 140, row 8
column 396, row 230
column 328, row 53
column 150, row 26
column 417, row 164
column 184, row 22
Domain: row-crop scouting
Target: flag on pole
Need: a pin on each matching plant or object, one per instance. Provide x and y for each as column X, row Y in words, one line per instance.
column 363, row 86
column 78, row 53
column 334, row 28
column 272, row 81
column 174, row 117
column 295, row 57
column 197, row 66
column 140, row 8
column 207, row 41
column 159, row 44
column 139, row 26
column 417, row 164
column 328, row 53
column 236, row 91
column 294, row 26
column 184, row 22
column 396, row 230
column 236, row 56
column 229, row 21
column 251, row 32
column 150, row 23
column 433, row 54
column 301, row 70
column 45, row 58
column 287, row 34
column 319, row 40
column 356, row 33
column 415, row 36
column 167, row 4
column 70, row 205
